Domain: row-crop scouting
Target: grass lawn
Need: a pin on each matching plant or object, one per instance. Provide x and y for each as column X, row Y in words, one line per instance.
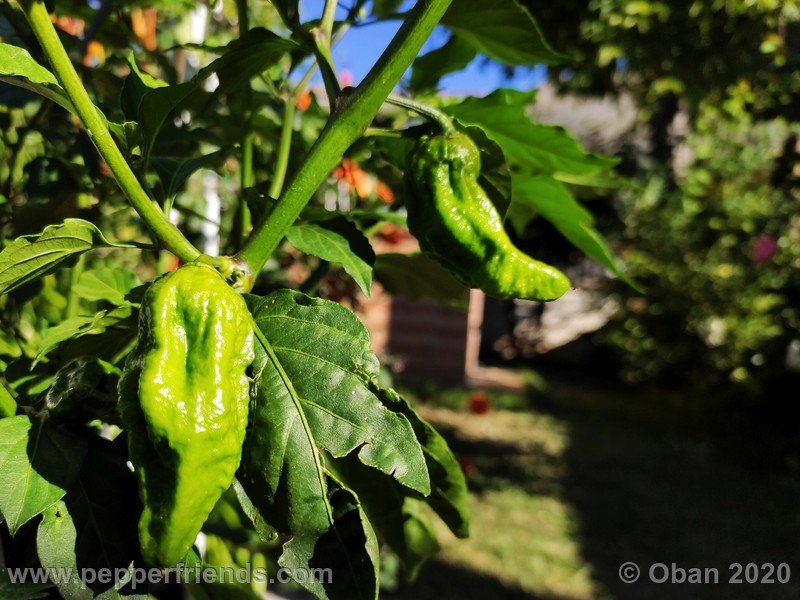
column 570, row 488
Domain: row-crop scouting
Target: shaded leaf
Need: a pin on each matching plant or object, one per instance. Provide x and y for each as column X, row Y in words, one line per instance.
column 339, row 241
column 429, row 68
column 18, row 68
column 449, row 497
column 288, row 9
column 245, row 57
column 361, row 216
column 39, row 462
column 542, row 148
column 175, row 170
column 415, row 276
column 149, row 101
column 543, row 195
column 21, row 591
column 30, row 257
column 262, row 528
column 83, row 390
column 94, row 527
column 383, row 8
column 503, row 30
column 395, row 516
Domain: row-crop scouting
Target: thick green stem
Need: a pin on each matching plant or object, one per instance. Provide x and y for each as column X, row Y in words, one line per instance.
column 353, row 114
column 169, row 235
column 285, row 145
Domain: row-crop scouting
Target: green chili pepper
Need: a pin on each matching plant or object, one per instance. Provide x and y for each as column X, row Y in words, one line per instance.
column 458, row 225
column 184, row 400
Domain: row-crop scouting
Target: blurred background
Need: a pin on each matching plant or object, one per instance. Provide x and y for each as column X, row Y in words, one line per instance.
column 656, row 423
column 616, row 425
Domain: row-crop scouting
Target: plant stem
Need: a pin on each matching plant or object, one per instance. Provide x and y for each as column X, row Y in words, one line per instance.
column 345, row 125
column 243, row 223
column 326, row 23
column 321, row 38
column 285, row 144
column 169, row 235
column 434, row 114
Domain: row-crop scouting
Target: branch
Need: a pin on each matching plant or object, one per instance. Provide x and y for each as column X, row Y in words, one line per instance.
column 171, row 238
column 348, row 121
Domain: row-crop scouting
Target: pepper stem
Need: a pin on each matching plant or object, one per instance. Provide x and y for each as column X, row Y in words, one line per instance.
column 434, row 114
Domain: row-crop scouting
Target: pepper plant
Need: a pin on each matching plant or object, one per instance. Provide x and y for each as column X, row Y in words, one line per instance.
column 179, row 386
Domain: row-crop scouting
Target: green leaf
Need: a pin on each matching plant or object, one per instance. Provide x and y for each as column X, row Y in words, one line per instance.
column 17, row 67
column 449, row 497
column 39, row 462
column 262, row 528
column 383, row 8
column 175, row 170
column 364, row 217
column 313, row 372
column 543, row 195
column 288, row 9
column 503, row 30
column 542, row 148
column 24, row 260
column 429, row 68
column 149, row 101
column 106, row 284
column 415, row 276
column 21, row 591
column 76, row 327
column 55, row 546
column 94, row 527
column 8, row 406
column 339, row 241
column 395, row 516
column 245, row 57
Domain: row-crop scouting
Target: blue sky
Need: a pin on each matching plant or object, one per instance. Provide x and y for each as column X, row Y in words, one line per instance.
column 356, row 52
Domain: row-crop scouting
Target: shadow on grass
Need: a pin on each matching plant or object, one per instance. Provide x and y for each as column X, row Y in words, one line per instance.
column 569, row 491
column 439, row 580
column 654, row 497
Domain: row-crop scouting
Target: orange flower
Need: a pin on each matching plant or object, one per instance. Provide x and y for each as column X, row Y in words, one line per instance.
column 95, row 54
column 143, row 22
column 303, row 101
column 384, row 192
column 71, row 25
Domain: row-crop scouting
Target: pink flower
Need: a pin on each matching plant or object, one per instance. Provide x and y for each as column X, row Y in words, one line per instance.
column 764, row 249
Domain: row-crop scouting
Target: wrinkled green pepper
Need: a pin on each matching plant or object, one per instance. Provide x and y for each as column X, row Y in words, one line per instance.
column 184, row 399
column 457, row 224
